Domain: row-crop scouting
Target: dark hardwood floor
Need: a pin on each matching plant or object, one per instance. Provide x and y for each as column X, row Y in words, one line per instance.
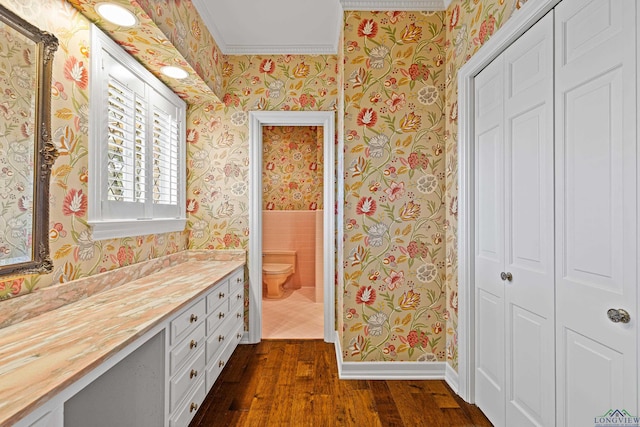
column 295, row 383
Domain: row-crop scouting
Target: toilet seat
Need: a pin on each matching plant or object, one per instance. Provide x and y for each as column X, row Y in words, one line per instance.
column 277, row 268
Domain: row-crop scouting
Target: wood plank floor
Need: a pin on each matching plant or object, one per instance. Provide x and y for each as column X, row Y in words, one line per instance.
column 295, row 383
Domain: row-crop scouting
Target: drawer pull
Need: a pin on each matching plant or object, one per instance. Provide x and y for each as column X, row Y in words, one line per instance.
column 239, row 296
column 193, row 318
column 239, row 335
column 193, row 344
column 221, row 363
column 193, row 407
column 221, row 315
column 239, row 315
column 220, row 338
column 221, row 295
column 193, row 373
column 239, row 280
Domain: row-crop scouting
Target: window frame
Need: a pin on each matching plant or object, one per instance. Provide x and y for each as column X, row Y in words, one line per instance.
column 116, row 219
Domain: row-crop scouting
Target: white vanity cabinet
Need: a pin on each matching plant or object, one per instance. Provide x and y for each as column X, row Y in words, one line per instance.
column 225, row 325
column 200, row 336
column 163, row 376
column 187, row 362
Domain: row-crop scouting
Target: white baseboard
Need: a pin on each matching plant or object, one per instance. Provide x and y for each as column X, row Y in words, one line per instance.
column 451, row 377
column 388, row 370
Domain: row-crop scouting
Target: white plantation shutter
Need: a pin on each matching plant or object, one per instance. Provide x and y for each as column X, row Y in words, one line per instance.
column 137, row 148
column 126, row 161
column 166, row 168
column 165, row 158
column 140, row 151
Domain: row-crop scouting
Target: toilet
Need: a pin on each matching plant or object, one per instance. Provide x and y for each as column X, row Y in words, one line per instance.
column 277, row 267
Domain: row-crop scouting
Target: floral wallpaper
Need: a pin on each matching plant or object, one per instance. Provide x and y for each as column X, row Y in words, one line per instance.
column 469, row 25
column 182, row 25
column 394, row 83
column 292, row 168
column 74, row 252
column 394, row 186
column 160, row 38
column 17, row 104
column 218, row 138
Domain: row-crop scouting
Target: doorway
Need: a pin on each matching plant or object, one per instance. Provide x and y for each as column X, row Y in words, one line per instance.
column 258, row 120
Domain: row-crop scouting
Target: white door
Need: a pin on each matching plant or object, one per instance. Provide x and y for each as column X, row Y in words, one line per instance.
column 489, row 242
column 596, row 208
column 514, row 233
column 529, row 321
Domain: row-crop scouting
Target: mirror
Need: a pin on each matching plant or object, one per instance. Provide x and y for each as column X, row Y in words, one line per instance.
column 26, row 151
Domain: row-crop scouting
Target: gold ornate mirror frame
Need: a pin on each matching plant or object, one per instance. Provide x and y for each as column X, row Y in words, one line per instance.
column 37, row 164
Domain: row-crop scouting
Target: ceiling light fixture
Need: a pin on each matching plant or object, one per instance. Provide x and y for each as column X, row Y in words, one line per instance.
column 174, row 72
column 116, row 14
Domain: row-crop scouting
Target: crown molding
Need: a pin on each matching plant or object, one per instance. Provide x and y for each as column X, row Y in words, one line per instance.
column 362, row 5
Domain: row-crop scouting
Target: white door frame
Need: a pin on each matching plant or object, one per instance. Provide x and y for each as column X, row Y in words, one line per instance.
column 522, row 20
column 258, row 119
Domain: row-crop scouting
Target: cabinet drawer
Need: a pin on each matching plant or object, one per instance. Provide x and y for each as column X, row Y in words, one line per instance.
column 186, row 378
column 217, row 318
column 236, row 295
column 237, row 315
column 236, row 279
column 194, row 341
column 219, row 338
column 218, row 295
column 183, row 415
column 187, row 321
column 215, row 366
column 237, row 334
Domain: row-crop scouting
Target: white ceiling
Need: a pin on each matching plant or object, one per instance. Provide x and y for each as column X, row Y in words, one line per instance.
column 289, row 26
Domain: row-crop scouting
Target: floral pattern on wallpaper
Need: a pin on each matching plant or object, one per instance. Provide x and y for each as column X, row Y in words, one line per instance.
column 218, row 138
column 470, row 24
column 292, row 168
column 149, row 43
column 17, row 104
column 181, row 23
column 74, row 252
column 394, row 254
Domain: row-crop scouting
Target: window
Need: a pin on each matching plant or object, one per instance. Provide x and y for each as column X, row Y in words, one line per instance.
column 136, row 149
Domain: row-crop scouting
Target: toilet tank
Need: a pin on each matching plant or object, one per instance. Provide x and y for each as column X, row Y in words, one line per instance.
column 279, row 257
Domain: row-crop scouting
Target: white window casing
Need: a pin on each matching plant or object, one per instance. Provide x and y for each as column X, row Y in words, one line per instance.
column 137, row 150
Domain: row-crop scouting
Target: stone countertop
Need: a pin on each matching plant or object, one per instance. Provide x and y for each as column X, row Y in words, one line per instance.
column 41, row 356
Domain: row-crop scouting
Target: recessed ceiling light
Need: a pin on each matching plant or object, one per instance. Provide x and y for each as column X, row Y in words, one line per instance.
column 116, row 14
column 174, row 72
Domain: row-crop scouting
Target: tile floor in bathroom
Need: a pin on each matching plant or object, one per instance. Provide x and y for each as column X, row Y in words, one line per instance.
column 294, row 316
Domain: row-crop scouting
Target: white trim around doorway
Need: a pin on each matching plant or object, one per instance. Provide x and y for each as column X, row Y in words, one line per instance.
column 258, row 119
column 523, row 19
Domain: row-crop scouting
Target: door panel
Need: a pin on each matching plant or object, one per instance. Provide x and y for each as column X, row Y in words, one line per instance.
column 490, row 393
column 489, row 243
column 594, row 372
column 596, row 208
column 529, row 227
column 528, row 67
column 528, row 386
column 593, row 233
column 597, row 22
column 489, row 158
column 527, row 220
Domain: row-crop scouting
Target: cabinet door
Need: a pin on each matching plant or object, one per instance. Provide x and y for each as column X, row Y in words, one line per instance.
column 596, row 208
